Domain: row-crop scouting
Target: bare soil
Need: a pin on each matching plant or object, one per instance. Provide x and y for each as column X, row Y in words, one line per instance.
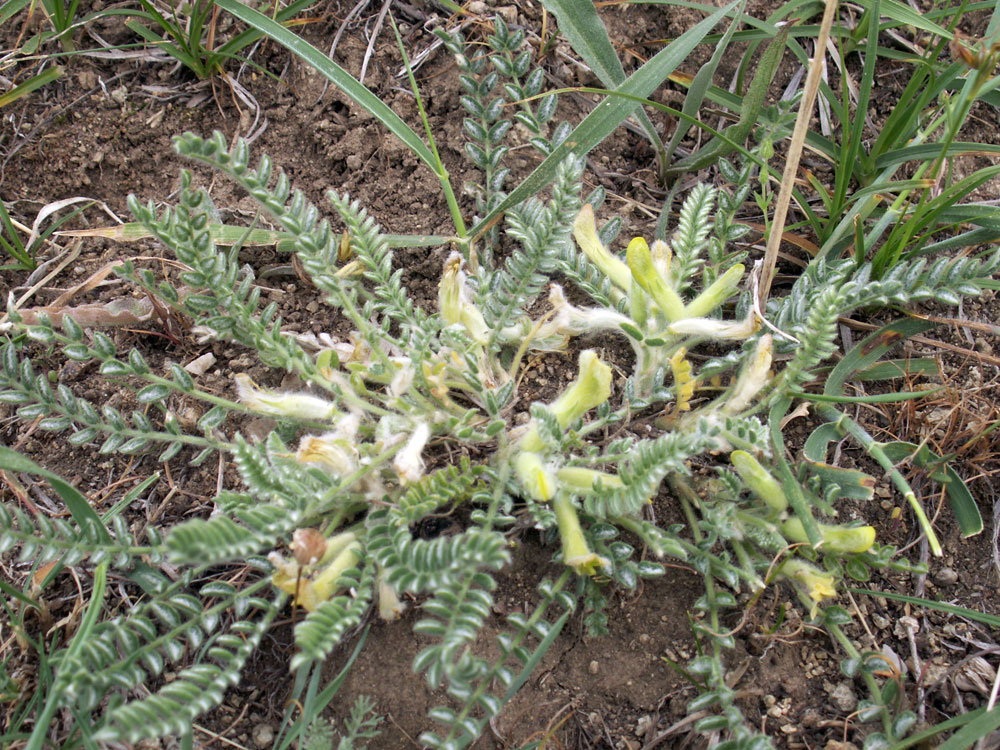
column 104, row 130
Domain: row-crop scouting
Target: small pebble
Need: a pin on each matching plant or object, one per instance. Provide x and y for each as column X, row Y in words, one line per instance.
column 946, row 577
column 263, row 735
column 843, row 698
column 593, row 667
column 642, row 725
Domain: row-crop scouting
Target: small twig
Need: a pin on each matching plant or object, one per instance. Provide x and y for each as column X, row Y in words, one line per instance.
column 795, row 151
column 371, row 43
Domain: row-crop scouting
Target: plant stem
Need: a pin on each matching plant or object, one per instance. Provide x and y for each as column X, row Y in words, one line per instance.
column 874, row 449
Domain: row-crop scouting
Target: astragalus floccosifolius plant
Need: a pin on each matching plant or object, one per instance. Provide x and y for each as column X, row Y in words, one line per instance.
column 327, row 514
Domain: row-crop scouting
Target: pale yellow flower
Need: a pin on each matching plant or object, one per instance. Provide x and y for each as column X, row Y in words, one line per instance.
column 817, row 584
column 408, row 463
column 585, row 233
column 276, row 404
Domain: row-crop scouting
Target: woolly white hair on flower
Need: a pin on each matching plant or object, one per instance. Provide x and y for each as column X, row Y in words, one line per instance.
column 569, row 320
column 715, row 329
column 276, row 404
column 403, row 378
column 335, row 450
column 408, row 463
column 752, row 378
column 455, row 300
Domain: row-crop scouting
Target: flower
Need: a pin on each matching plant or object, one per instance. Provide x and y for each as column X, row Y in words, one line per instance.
column 585, row 233
column 640, row 261
column 313, row 584
column 816, row 584
column 718, row 292
column 715, row 329
column 333, row 450
column 575, row 551
column 536, row 478
column 455, row 300
column 843, row 539
column 403, row 379
column 591, row 388
column 389, row 605
column 567, row 320
column 408, row 463
column 275, row 404
column 752, row 378
column 759, row 480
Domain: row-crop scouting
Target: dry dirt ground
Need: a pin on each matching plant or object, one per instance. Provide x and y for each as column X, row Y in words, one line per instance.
column 103, row 131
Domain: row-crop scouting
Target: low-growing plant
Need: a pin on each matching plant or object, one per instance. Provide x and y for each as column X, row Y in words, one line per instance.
column 186, row 32
column 364, row 448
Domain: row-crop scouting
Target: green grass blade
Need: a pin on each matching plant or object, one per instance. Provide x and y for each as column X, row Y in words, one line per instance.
column 903, row 15
column 186, row 59
column 874, row 398
column 924, row 151
column 347, row 83
column 972, row 732
column 320, row 701
column 249, row 36
column 44, row 720
column 952, row 609
column 79, row 507
column 869, row 350
column 855, row 134
column 11, row 242
column 23, row 598
column 588, row 37
column 963, row 505
column 608, row 115
column 9, row 9
column 749, row 110
column 35, row 82
column 957, row 722
column 701, row 83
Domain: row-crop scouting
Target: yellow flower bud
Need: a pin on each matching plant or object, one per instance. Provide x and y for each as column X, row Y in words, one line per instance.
column 718, row 292
column 315, row 583
column 759, row 480
column 585, row 232
column 845, row 539
column 576, row 553
column 324, row 585
column 591, row 388
column 536, row 478
column 640, row 261
column 814, row 582
column 581, row 479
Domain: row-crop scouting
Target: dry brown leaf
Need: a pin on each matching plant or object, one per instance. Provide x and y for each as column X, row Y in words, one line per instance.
column 119, row 312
